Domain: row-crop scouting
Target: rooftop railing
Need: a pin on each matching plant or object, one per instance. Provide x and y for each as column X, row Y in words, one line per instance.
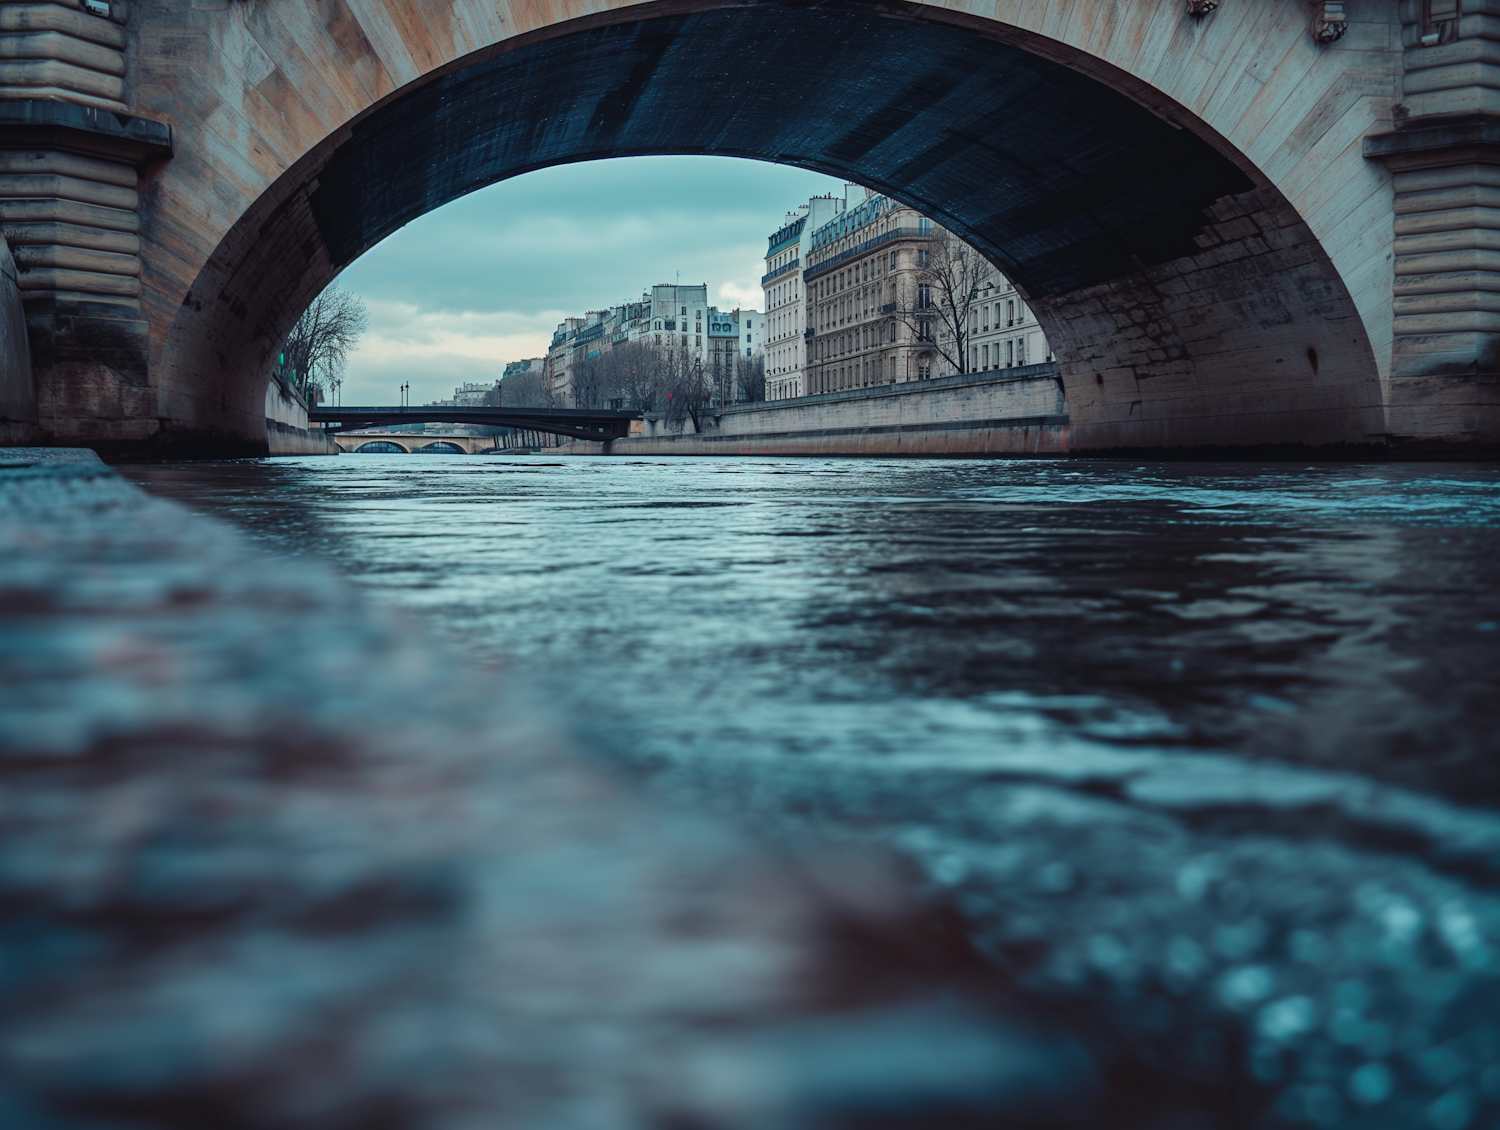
column 779, row 271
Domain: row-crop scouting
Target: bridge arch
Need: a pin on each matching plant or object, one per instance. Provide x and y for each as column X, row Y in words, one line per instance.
column 1183, row 202
column 381, row 447
column 441, row 447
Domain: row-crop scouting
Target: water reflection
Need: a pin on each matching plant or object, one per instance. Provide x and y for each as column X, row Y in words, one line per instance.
column 1209, row 748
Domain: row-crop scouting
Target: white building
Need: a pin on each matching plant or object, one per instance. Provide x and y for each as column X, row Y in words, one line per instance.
column 1003, row 333
column 668, row 316
column 752, row 332
column 786, row 258
column 472, row 395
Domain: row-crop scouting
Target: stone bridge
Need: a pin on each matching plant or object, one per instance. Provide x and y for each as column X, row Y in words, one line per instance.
column 1271, row 224
column 455, row 444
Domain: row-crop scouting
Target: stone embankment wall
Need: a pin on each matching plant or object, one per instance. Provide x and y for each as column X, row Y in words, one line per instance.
column 1003, row 412
column 287, row 430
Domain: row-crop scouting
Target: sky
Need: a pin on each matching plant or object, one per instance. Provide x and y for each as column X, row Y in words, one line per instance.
column 484, row 280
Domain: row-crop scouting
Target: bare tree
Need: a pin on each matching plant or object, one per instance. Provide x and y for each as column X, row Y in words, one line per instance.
column 317, row 350
column 936, row 303
column 524, row 390
column 750, row 378
column 644, row 376
column 594, row 381
column 688, row 389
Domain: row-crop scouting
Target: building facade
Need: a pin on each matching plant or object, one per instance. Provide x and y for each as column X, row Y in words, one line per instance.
column 874, row 307
column 671, row 317
column 860, row 272
column 1003, row 333
column 785, row 317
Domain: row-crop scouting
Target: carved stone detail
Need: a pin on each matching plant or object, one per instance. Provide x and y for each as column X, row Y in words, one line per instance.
column 1329, row 22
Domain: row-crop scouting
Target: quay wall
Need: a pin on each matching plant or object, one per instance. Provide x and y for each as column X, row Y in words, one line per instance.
column 1017, row 411
column 287, row 429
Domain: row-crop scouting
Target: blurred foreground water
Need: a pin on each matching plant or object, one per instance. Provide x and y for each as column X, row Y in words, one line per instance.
column 1206, row 756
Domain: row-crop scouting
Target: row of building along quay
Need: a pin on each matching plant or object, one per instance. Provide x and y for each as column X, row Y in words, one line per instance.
column 863, row 291
column 860, row 291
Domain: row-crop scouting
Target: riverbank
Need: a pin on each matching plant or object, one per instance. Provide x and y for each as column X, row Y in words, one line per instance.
column 1002, row 412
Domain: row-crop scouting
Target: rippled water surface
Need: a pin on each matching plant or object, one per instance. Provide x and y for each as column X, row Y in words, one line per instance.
column 1211, row 749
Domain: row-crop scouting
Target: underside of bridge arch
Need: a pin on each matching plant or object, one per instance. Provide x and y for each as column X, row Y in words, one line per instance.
column 1186, row 301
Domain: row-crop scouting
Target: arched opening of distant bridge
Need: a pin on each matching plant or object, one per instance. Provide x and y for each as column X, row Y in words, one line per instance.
column 1210, row 266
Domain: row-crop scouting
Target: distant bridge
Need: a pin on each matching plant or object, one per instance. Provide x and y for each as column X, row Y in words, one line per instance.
column 577, row 423
column 408, row 442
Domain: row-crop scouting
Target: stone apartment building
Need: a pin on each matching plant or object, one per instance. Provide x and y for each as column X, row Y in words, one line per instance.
column 860, row 268
column 865, row 295
column 1003, row 333
column 668, row 316
column 785, row 321
column 723, row 354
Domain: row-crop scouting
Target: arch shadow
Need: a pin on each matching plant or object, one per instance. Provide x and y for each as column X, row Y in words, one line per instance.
column 381, row 447
column 440, row 447
column 1181, row 292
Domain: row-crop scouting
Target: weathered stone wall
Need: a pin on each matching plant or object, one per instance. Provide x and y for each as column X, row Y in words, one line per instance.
column 1444, row 153
column 70, row 159
column 1195, row 353
column 1004, row 412
column 287, row 430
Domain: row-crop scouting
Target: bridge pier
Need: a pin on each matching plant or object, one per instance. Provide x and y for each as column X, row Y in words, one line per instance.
column 1444, row 157
column 71, row 159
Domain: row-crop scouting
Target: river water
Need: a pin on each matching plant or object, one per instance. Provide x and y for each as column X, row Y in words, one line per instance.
column 1207, row 750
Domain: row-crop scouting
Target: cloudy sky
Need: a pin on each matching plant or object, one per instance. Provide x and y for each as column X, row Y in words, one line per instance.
column 485, row 280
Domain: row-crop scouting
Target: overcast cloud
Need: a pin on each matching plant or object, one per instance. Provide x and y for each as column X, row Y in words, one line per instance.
column 485, row 280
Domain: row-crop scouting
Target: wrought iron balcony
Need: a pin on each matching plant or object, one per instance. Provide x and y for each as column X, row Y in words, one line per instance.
column 779, row 271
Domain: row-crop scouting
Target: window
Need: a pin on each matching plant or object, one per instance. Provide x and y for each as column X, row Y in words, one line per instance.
column 986, row 356
column 986, row 319
column 924, row 298
column 924, row 371
column 974, row 321
column 974, row 356
column 1021, row 351
column 1010, row 354
column 1010, row 313
column 893, row 259
column 924, row 330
